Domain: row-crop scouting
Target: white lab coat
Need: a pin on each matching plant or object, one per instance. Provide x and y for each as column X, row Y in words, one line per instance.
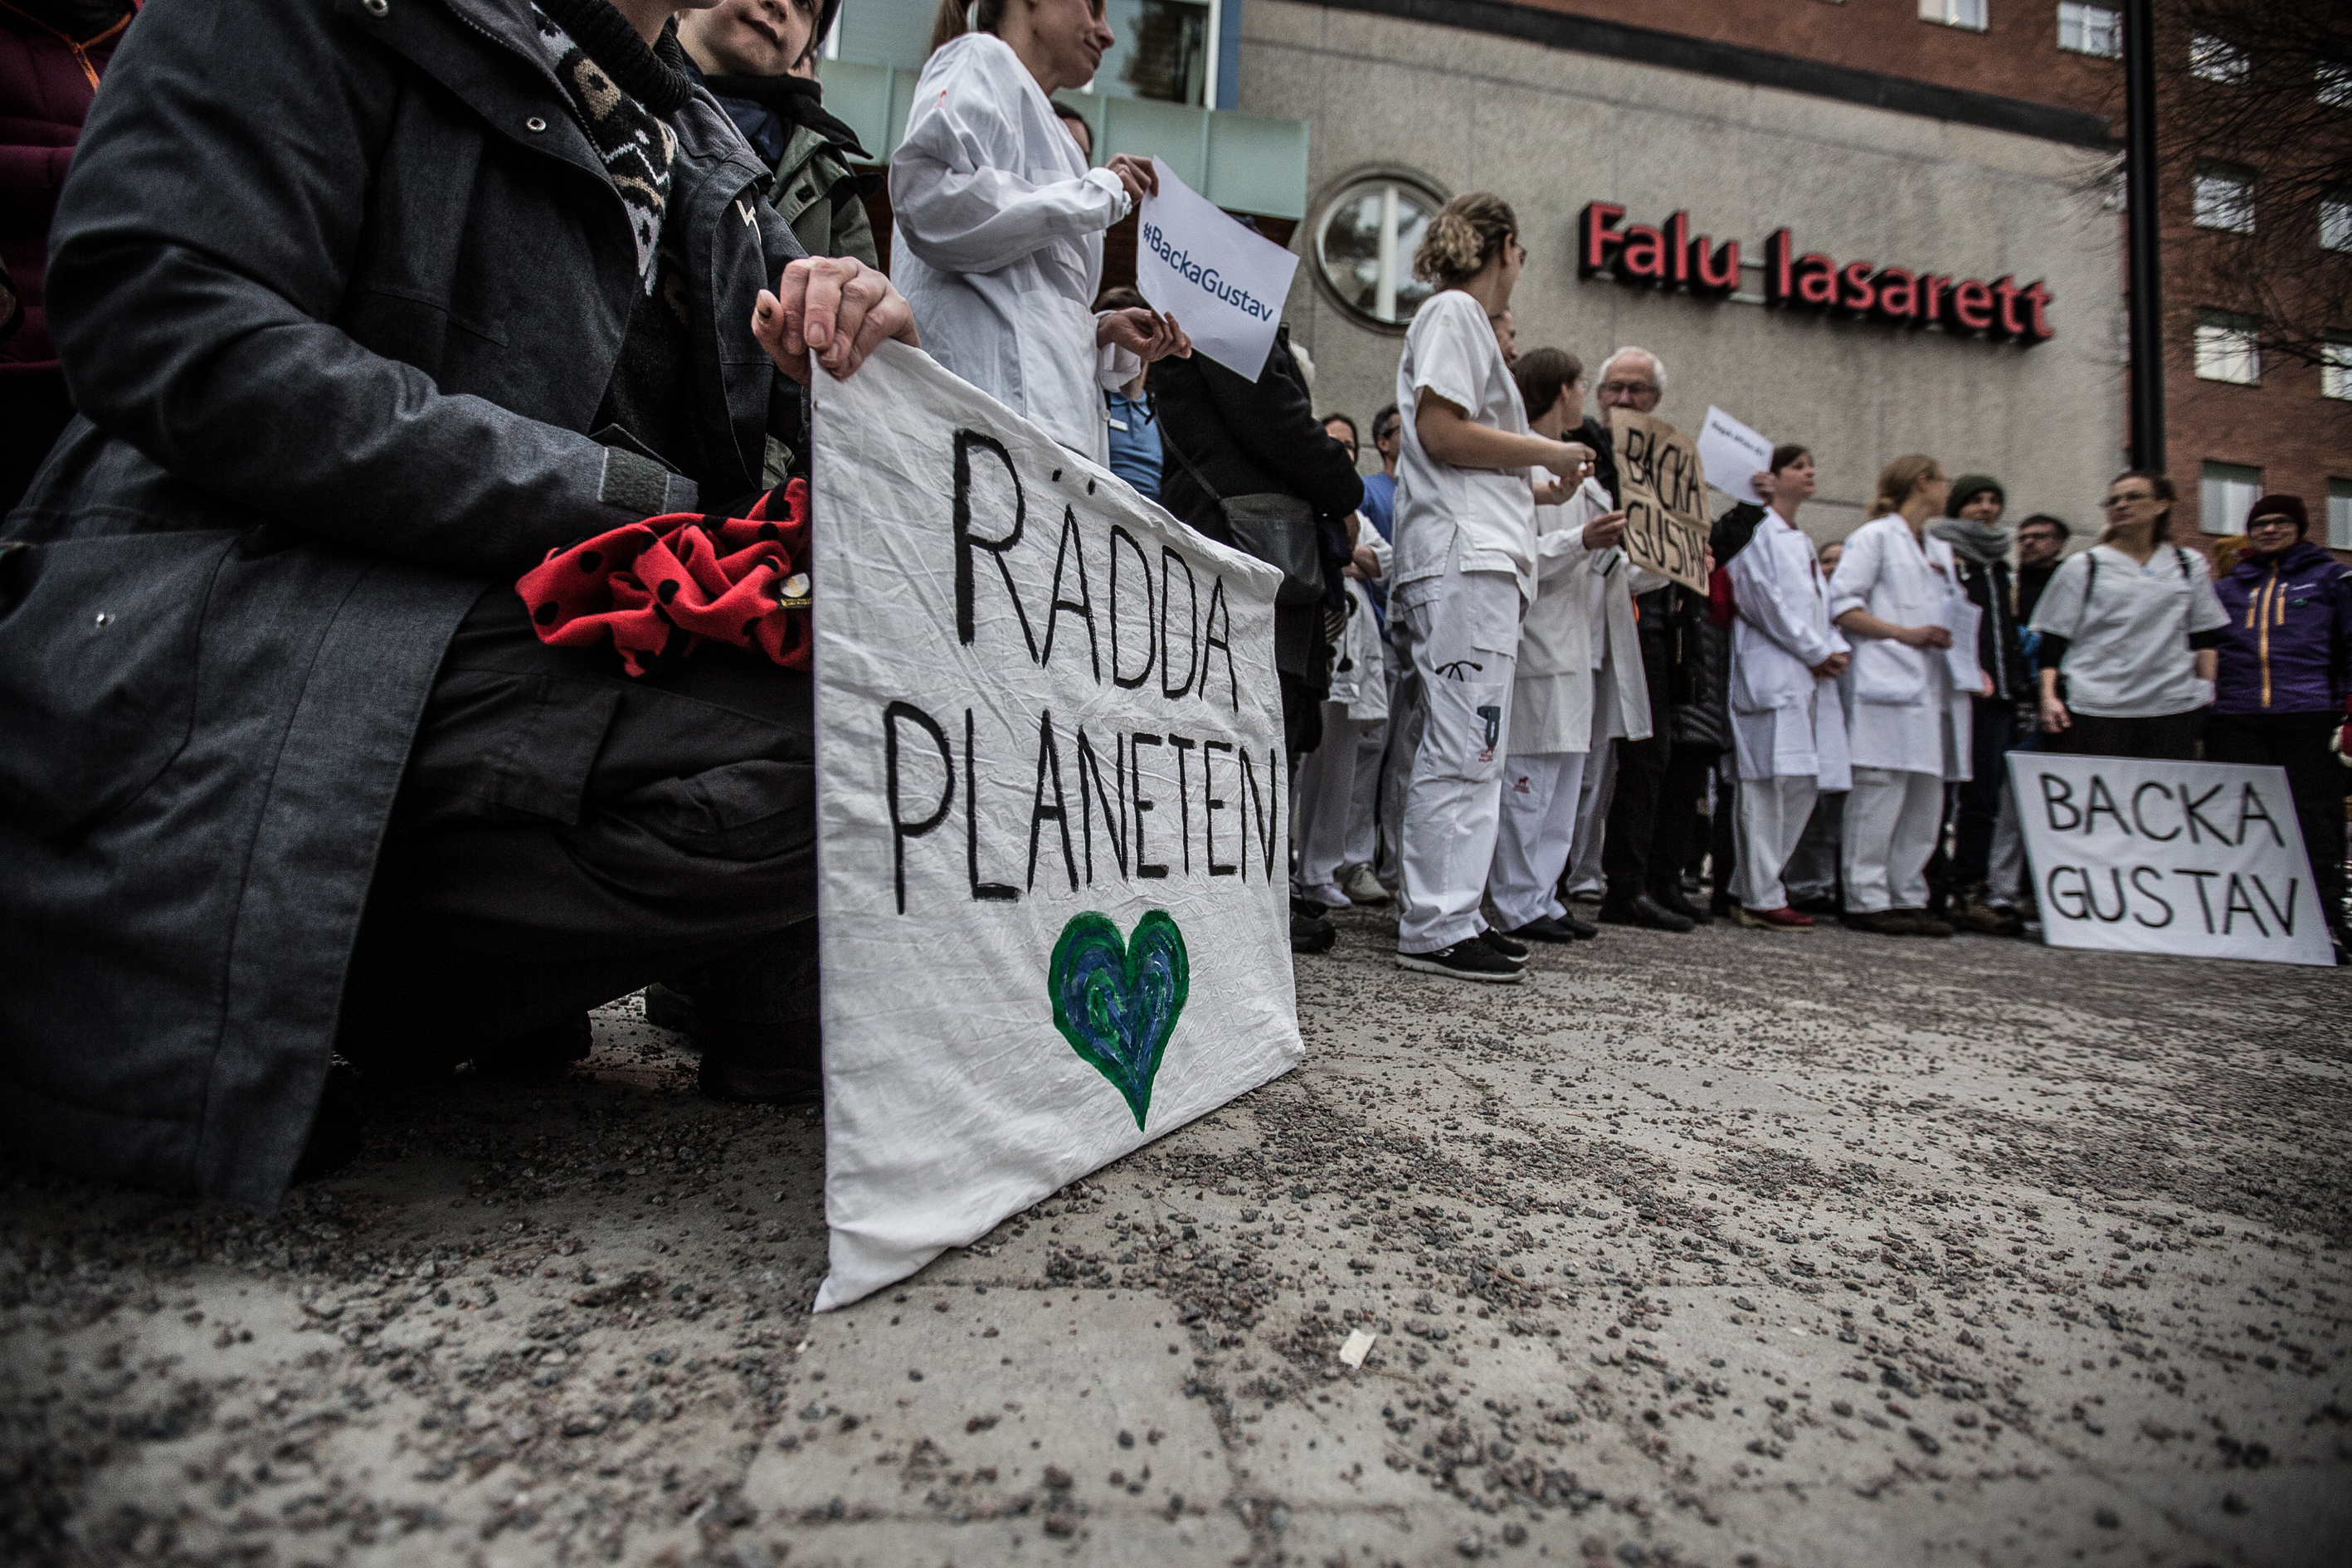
column 1358, row 672
column 1000, row 225
column 1552, row 692
column 1906, row 713
column 1786, row 722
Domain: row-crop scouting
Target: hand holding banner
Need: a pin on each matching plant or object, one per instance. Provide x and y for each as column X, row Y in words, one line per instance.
column 1223, row 283
column 1658, row 485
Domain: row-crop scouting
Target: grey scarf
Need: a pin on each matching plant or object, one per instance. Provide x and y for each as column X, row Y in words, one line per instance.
column 1985, row 543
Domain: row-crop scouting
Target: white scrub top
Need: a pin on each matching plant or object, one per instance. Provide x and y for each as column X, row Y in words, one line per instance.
column 2127, row 628
column 999, row 225
column 1451, row 349
column 1786, row 722
column 1906, row 713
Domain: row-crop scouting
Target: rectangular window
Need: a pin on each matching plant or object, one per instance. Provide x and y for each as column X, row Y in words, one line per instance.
column 2226, row 350
column 2336, row 221
column 2339, row 513
column 2215, row 59
column 2227, row 494
column 1968, row 14
column 2336, row 369
column 2334, row 81
column 2090, row 30
column 2225, row 198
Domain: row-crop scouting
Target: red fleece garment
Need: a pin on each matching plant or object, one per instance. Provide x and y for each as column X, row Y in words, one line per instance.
column 658, row 588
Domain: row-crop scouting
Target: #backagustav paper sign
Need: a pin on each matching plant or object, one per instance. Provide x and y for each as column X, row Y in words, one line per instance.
column 1224, row 284
column 1664, row 492
column 1053, row 833
column 2204, row 859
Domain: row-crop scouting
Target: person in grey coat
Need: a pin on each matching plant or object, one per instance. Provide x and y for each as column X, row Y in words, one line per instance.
column 367, row 307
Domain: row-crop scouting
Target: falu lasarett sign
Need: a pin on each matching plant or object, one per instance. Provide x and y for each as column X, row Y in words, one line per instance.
column 1669, row 256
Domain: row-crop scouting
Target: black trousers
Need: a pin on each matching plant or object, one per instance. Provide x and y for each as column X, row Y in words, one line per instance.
column 2297, row 742
column 2168, row 737
column 1680, row 791
column 1629, row 839
column 34, row 411
column 1976, row 804
column 565, row 834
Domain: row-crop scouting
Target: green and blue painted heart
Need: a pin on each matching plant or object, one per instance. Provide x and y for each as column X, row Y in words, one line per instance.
column 1117, row 1001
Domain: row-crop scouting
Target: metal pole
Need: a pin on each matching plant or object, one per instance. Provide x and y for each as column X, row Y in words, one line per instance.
column 2146, row 297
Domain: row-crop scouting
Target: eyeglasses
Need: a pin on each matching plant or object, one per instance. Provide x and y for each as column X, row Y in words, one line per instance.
column 1628, row 388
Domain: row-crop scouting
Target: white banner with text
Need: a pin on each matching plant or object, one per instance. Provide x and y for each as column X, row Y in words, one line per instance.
column 2202, row 859
column 1053, row 833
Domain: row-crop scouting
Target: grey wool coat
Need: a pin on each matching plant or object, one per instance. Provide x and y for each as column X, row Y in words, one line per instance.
column 337, row 286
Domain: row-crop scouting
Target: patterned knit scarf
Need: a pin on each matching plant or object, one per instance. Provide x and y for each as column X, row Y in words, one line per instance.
column 630, row 136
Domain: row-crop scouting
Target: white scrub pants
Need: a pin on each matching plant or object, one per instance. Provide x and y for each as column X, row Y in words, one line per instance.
column 1532, row 845
column 1465, row 642
column 1772, row 817
column 1333, row 795
column 1892, row 819
column 1595, row 791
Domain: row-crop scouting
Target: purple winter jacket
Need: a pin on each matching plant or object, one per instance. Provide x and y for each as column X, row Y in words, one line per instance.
column 2288, row 647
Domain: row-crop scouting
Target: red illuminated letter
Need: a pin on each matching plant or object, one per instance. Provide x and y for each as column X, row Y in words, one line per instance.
column 1718, row 273
column 1679, row 245
column 1594, row 232
column 1934, row 298
column 2005, row 295
column 1780, row 288
column 1643, row 260
column 1817, row 280
column 1898, row 296
column 1973, row 306
column 1858, row 296
column 2038, row 328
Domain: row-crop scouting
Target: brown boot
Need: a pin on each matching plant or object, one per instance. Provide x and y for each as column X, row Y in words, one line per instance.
column 1976, row 914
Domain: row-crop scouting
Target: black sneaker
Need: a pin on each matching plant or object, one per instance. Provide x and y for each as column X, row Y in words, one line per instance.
column 1672, row 900
column 1582, row 930
column 1469, row 959
column 1543, row 928
column 1516, row 952
column 1311, row 933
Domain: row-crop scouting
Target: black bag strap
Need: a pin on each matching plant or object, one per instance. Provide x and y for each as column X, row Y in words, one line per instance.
column 1168, row 443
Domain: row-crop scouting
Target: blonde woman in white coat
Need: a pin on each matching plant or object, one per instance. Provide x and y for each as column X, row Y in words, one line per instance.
column 999, row 221
column 1552, row 695
column 1788, row 724
column 1891, row 595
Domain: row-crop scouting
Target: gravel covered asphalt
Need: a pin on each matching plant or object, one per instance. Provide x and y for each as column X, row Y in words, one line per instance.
column 1730, row 1248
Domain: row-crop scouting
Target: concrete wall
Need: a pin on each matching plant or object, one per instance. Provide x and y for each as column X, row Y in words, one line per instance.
column 1550, row 130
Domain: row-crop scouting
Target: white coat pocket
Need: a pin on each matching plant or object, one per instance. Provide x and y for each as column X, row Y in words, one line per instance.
column 1889, row 673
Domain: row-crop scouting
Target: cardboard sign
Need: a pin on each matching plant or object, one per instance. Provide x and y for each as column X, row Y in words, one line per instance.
column 1733, row 455
column 1223, row 283
column 1053, row 836
column 2203, row 859
column 1660, row 486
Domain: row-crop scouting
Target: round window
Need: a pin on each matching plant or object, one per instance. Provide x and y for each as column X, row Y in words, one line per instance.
column 1365, row 235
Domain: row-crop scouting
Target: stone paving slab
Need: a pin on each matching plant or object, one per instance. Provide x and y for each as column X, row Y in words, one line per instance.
column 1730, row 1249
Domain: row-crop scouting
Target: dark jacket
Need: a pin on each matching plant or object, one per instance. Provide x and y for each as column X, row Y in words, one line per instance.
column 338, row 292
column 2288, row 647
column 1242, row 438
column 808, row 154
column 2000, row 654
column 1595, row 433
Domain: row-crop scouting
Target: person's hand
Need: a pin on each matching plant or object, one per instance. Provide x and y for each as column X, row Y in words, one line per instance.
column 1367, row 564
column 1605, row 531
column 1145, row 333
column 1761, row 481
column 1551, row 492
column 1570, row 462
column 1985, row 688
column 1710, row 561
column 1137, row 175
column 1832, row 667
column 1924, row 637
column 835, row 307
column 2055, row 720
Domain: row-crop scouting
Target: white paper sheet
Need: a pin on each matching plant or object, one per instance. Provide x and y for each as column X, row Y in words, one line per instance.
column 1223, row 284
column 1732, row 456
column 1053, row 817
column 1964, row 619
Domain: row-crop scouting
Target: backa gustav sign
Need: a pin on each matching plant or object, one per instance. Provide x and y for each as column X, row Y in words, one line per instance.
column 1053, row 835
column 2198, row 859
column 1663, row 487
